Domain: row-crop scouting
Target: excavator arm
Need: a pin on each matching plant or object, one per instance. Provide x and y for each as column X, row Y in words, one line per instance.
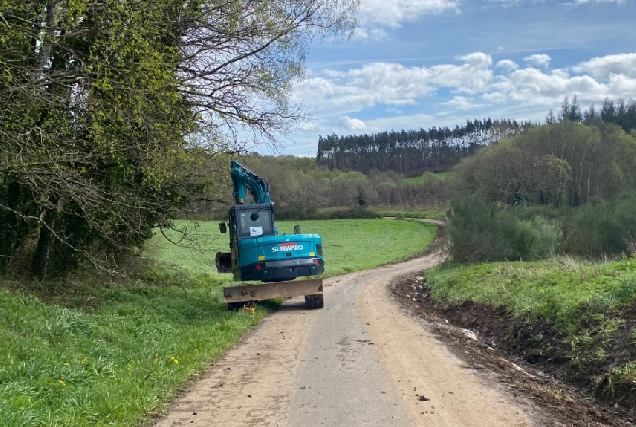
column 244, row 179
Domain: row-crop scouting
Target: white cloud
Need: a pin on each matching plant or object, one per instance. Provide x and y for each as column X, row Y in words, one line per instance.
column 392, row 84
column 538, row 59
column 462, row 103
column 559, row 72
column 351, row 124
column 622, row 86
column 532, row 86
column 361, row 33
column 494, row 97
column 308, row 126
column 603, row 67
column 334, row 73
column 507, row 64
column 477, row 89
column 394, row 13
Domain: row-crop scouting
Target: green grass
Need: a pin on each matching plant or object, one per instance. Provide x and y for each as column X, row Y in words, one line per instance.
column 109, row 367
column 348, row 245
column 118, row 352
column 561, row 292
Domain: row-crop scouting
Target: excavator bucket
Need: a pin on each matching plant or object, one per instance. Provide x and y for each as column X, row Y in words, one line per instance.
column 311, row 289
column 224, row 262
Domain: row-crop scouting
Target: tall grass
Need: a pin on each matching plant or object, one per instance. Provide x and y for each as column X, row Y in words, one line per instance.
column 561, row 291
column 69, row 367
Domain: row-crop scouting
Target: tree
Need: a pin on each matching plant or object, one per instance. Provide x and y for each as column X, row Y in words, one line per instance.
column 550, row 119
column 571, row 111
column 107, row 98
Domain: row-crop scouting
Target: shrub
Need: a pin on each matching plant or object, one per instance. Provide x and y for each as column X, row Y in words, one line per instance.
column 353, row 213
column 604, row 228
column 479, row 231
column 549, row 238
column 303, row 214
column 295, row 213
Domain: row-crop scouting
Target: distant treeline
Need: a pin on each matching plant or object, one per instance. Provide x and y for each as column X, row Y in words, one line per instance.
column 300, row 188
column 415, row 151
column 620, row 113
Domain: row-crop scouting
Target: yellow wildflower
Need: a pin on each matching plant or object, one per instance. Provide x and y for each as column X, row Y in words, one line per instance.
column 66, row 364
column 63, row 383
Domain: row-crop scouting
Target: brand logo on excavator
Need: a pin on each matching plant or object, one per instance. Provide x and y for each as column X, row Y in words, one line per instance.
column 288, row 246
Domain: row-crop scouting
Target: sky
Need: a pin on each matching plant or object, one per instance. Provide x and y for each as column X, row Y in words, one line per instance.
column 414, row 64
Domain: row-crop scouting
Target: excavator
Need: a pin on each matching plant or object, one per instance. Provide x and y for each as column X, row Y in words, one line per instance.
column 259, row 253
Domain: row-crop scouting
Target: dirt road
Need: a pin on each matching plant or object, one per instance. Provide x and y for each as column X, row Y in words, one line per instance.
column 359, row 361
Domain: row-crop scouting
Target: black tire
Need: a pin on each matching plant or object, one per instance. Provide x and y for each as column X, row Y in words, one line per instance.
column 314, row 301
column 233, row 306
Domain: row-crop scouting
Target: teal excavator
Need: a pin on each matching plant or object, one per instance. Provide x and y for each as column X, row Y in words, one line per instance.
column 259, row 253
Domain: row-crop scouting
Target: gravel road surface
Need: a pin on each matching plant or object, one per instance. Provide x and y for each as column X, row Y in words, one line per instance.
column 360, row 361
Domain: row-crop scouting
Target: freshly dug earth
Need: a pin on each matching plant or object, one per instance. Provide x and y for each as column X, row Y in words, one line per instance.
column 530, row 358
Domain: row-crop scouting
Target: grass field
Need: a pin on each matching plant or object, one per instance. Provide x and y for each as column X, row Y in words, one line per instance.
column 118, row 351
column 561, row 291
column 577, row 316
column 368, row 243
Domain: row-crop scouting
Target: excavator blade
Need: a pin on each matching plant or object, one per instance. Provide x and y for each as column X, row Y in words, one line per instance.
column 263, row 291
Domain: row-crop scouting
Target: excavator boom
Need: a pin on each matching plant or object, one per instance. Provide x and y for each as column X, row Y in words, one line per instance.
column 244, row 179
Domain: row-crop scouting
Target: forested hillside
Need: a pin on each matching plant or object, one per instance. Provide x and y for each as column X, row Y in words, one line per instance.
column 299, row 186
column 564, row 187
column 415, row 151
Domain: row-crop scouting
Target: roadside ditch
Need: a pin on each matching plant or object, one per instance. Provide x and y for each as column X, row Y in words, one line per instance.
column 569, row 382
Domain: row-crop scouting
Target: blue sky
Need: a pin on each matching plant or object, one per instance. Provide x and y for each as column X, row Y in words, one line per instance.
column 424, row 63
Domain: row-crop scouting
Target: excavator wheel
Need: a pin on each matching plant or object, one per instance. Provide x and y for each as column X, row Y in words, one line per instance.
column 314, row 301
column 233, row 306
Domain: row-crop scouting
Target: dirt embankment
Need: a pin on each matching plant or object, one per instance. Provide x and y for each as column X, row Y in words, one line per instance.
column 532, row 357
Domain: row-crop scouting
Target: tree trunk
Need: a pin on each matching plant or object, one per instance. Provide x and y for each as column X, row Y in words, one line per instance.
column 40, row 264
column 9, row 225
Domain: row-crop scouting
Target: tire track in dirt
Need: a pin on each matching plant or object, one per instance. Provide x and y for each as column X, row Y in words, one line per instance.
column 438, row 388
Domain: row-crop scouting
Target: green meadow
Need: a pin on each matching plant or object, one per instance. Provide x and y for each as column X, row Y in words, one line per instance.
column 104, row 352
column 349, row 245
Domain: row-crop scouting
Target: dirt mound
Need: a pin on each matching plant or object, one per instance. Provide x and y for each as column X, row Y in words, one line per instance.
column 534, row 358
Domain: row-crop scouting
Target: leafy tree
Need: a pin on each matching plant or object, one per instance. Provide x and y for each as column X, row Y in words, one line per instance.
column 106, row 97
column 565, row 163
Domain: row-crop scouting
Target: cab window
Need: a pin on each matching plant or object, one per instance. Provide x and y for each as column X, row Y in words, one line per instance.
column 254, row 223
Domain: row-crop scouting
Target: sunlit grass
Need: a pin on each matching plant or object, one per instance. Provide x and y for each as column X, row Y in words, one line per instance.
column 348, row 245
column 66, row 367
column 429, row 177
column 559, row 291
column 117, row 353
